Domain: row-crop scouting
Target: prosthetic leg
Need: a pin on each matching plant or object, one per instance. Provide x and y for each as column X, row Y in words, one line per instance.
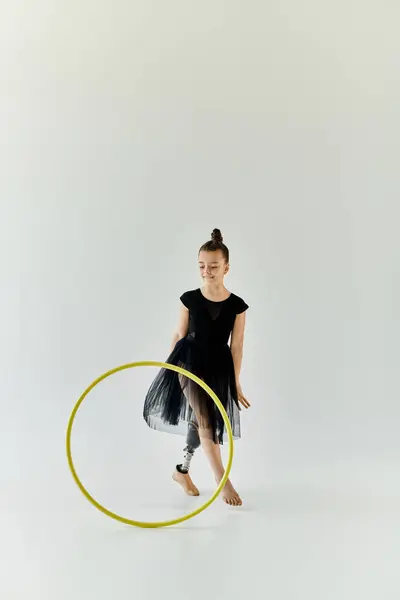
column 192, row 443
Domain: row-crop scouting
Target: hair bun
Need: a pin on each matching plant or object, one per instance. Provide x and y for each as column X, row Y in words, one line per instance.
column 216, row 236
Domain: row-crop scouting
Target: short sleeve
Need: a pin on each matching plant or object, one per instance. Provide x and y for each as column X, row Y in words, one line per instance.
column 185, row 299
column 240, row 306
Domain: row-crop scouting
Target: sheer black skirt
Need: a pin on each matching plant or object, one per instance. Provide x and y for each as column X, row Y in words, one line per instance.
column 173, row 400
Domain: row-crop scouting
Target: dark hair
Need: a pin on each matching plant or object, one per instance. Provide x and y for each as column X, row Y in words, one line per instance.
column 216, row 243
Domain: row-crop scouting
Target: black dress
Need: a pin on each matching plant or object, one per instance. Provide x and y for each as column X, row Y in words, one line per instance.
column 173, row 401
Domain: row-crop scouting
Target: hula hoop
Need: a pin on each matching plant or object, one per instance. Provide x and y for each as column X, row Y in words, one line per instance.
column 149, row 524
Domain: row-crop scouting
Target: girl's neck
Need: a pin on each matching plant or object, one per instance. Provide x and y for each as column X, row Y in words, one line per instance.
column 215, row 291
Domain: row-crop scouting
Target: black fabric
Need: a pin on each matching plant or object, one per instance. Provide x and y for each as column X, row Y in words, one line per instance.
column 173, row 401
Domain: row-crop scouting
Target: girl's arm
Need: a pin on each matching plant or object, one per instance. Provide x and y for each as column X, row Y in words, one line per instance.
column 183, row 326
column 237, row 341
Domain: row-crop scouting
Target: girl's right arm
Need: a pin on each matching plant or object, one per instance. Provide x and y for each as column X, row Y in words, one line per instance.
column 183, row 326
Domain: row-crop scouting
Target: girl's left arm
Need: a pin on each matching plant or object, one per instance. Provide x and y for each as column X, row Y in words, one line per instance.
column 237, row 341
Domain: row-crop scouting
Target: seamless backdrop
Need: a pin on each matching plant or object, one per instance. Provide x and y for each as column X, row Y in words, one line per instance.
column 130, row 131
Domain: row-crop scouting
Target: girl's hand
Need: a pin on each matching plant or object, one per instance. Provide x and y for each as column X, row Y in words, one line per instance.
column 242, row 399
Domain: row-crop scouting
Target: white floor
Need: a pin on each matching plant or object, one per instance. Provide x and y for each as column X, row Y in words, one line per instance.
column 328, row 532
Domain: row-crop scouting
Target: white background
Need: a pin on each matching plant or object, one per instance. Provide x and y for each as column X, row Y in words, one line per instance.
column 129, row 130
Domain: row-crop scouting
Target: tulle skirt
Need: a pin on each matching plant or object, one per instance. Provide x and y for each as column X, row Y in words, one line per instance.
column 173, row 401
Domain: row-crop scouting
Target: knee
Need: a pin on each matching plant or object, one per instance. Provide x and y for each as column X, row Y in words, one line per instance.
column 206, row 438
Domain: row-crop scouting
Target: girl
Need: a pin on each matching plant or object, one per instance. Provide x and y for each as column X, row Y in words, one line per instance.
column 209, row 316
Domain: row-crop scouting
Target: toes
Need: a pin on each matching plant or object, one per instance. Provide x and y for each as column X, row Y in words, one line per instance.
column 232, row 500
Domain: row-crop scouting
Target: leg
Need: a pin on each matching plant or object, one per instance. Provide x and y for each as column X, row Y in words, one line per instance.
column 213, row 453
column 181, row 474
column 192, row 443
column 212, row 450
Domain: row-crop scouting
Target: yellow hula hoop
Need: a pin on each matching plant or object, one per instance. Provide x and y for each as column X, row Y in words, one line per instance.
column 150, row 524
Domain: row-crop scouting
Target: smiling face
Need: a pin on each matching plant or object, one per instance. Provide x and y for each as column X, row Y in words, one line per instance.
column 213, row 267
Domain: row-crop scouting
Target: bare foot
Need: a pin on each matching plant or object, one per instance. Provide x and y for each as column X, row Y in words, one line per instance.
column 230, row 495
column 186, row 483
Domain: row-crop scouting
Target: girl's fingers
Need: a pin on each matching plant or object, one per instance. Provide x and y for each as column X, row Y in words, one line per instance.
column 244, row 401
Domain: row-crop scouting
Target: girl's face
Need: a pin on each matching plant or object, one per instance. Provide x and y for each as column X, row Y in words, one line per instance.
column 213, row 267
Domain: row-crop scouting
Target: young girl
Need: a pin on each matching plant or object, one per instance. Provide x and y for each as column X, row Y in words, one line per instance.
column 209, row 317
